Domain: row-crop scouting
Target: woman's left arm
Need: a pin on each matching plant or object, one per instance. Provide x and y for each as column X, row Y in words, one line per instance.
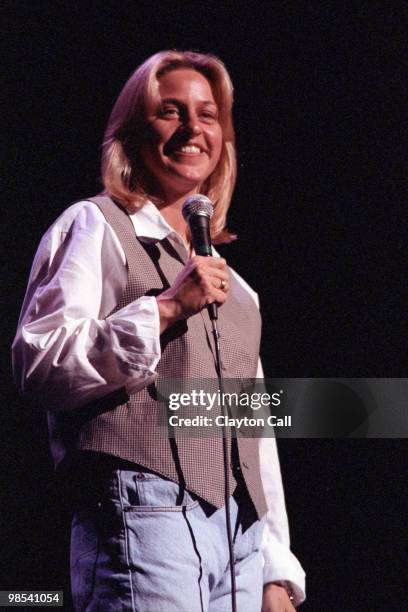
column 280, row 564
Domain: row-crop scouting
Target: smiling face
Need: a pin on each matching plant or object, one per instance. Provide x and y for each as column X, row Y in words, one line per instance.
column 184, row 136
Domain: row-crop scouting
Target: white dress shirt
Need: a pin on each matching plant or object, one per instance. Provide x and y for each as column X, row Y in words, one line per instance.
column 66, row 353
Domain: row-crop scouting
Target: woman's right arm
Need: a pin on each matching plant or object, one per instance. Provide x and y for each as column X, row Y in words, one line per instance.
column 67, row 351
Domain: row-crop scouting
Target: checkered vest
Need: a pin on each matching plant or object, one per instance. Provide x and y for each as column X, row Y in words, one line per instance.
column 126, row 426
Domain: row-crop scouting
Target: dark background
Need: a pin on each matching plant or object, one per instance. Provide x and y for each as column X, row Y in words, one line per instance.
column 320, row 209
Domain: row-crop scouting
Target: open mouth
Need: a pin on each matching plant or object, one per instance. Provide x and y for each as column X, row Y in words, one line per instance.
column 189, row 150
column 186, row 149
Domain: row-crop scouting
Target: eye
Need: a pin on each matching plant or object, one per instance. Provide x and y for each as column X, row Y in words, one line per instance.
column 209, row 116
column 169, row 111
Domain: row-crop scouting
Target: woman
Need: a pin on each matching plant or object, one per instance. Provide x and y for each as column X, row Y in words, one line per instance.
column 116, row 299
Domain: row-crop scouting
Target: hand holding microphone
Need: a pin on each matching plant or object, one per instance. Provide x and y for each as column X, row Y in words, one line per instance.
column 204, row 281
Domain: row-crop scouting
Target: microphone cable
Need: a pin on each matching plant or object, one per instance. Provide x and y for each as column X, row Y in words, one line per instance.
column 216, row 336
column 197, row 211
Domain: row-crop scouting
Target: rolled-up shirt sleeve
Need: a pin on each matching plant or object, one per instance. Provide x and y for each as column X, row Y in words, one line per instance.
column 280, row 564
column 68, row 350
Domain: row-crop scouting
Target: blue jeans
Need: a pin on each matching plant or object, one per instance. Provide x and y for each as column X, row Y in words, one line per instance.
column 148, row 545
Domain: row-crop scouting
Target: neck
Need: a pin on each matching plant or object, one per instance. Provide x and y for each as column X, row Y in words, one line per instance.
column 171, row 209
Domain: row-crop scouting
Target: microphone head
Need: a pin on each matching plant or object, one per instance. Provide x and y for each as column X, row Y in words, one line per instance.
column 197, row 204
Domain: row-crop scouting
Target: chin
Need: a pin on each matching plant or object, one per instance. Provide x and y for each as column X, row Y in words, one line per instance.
column 190, row 181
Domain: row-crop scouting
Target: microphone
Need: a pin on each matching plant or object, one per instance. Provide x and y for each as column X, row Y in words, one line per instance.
column 197, row 211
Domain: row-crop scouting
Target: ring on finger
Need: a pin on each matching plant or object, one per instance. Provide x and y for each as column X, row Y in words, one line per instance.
column 223, row 284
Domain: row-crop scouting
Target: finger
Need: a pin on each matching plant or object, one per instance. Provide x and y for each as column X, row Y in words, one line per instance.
column 216, row 295
column 217, row 277
column 209, row 262
column 221, row 275
column 221, row 283
column 218, row 262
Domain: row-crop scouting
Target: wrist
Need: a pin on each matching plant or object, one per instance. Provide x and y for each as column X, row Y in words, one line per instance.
column 169, row 312
column 284, row 585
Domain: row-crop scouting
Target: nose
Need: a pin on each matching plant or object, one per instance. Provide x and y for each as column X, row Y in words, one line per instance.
column 191, row 124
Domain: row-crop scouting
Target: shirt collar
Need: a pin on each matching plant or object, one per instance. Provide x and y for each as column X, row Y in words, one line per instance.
column 149, row 223
column 151, row 226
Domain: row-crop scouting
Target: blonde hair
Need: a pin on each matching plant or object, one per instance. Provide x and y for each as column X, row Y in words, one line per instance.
column 123, row 174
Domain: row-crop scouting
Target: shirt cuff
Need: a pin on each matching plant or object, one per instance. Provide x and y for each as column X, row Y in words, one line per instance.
column 280, row 565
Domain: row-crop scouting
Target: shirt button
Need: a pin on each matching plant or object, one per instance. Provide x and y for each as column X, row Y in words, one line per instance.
column 140, row 476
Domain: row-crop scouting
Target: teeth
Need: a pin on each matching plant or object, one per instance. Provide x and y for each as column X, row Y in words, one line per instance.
column 190, row 149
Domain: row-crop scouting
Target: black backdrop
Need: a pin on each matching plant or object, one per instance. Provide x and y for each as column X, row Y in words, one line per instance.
column 321, row 216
